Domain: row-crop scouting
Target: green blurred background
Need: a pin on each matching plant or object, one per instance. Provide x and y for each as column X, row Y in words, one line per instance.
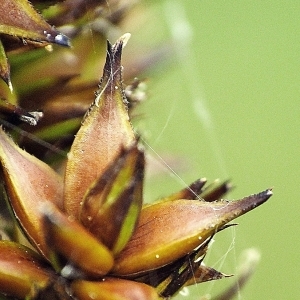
column 226, row 105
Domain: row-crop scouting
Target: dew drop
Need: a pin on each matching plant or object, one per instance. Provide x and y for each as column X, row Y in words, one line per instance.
column 62, row 39
column 59, row 38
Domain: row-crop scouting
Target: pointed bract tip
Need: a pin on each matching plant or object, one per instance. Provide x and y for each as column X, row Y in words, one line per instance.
column 124, row 39
column 5, row 76
column 119, row 44
column 252, row 201
column 10, row 86
column 269, row 192
column 264, row 195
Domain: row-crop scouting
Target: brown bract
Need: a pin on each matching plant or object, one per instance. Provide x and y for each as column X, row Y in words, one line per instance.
column 156, row 243
column 93, row 238
column 104, row 132
column 19, row 21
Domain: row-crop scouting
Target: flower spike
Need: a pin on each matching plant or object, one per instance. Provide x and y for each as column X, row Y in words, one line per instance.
column 96, row 238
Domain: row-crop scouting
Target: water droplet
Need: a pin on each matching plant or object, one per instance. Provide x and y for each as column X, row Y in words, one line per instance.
column 157, row 255
column 62, row 39
column 59, row 38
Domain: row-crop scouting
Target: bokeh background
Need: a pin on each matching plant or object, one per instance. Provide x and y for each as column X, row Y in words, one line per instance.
column 224, row 103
